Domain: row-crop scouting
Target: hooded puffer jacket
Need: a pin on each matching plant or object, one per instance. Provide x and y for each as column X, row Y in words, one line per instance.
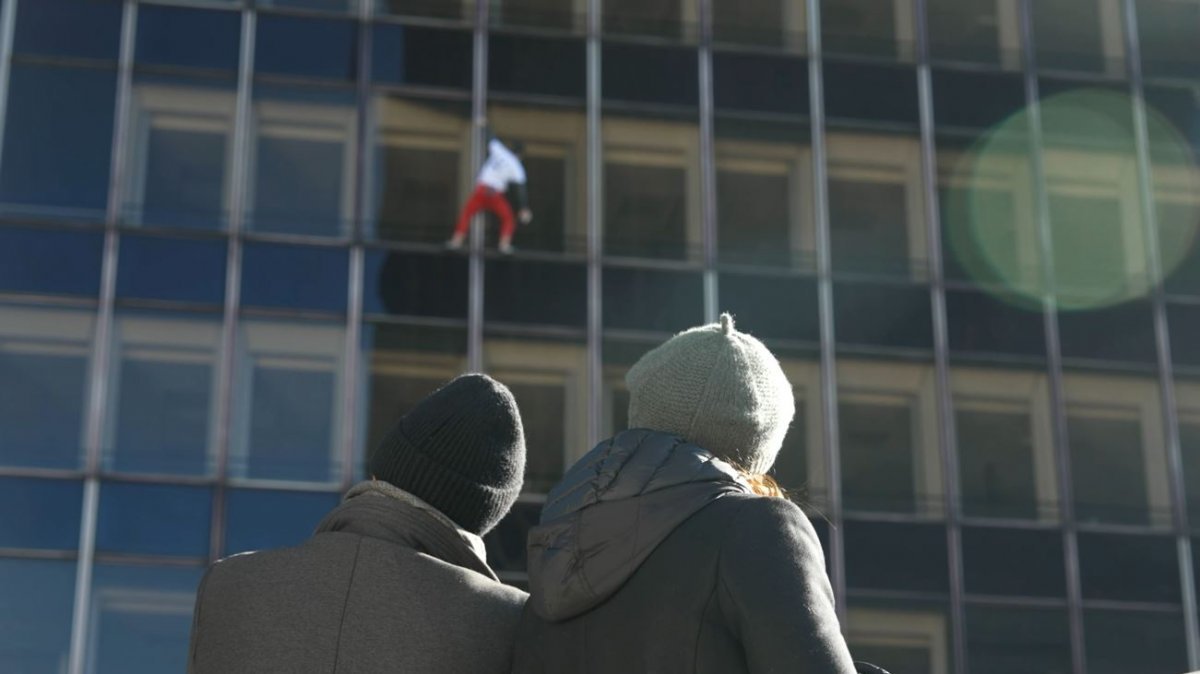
column 653, row 556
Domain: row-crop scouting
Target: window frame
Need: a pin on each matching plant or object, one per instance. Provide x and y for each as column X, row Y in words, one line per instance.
column 906, row 629
column 791, row 161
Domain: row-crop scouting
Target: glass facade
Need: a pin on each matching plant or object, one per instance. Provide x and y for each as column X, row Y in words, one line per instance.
column 966, row 227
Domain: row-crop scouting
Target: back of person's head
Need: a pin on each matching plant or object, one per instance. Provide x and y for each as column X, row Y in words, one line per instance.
column 720, row 389
column 461, row 450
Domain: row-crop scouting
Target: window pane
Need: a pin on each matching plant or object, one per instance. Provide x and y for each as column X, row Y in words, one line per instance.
column 1078, row 35
column 154, row 519
column 80, row 28
column 658, row 18
column 179, row 150
column 537, row 65
column 1118, row 462
column 1013, row 562
column 303, row 164
column 35, row 625
column 1129, row 568
column 259, row 520
column 760, row 23
column 1120, row 333
column 47, row 513
column 288, row 400
column 62, row 262
column 1006, row 461
column 886, row 315
column 188, row 38
column 535, row 292
column 44, row 359
column 141, row 617
column 866, row 27
column 981, row 31
column 866, row 94
column 887, row 556
column 760, row 83
column 440, row 9
column 984, row 326
column 57, row 142
column 638, row 73
column 651, row 299
column 421, row 158
column 556, row 14
column 295, row 277
column 904, row 636
column 1002, row 640
column 296, row 46
column 162, row 387
column 547, row 380
column 506, row 543
column 1119, row 642
column 1167, row 35
column 887, row 438
column 157, row 268
column 416, row 284
column 755, row 302
column 416, row 55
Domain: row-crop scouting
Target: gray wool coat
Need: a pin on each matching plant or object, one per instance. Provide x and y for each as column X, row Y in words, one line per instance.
column 387, row 584
column 653, row 557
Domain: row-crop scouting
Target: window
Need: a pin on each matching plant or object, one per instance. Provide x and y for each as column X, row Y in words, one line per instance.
column 659, row 18
column 568, row 15
column 869, row 315
column 653, row 300
column 439, row 9
column 35, row 627
column 140, row 618
column 44, row 360
column 416, row 284
column 422, row 56
column 862, row 94
column 773, row 23
column 881, row 28
column 1187, row 398
column 61, row 262
column 288, row 393
column 1080, row 35
column 535, row 292
column 74, row 28
column 296, row 46
column 44, row 514
column 1118, row 464
column 754, row 82
column 258, row 519
column 1125, row 641
column 421, row 168
column 162, row 391
column 154, row 519
column 876, row 215
column 984, row 325
column 1013, row 562
column 904, row 637
column 1005, row 447
column 303, row 163
column 979, row 31
column 1164, row 27
column 649, row 74
column 506, row 543
column 157, row 268
column 547, row 379
column 888, row 439
column 533, row 65
column 1122, row 567
column 296, row 277
column 755, row 301
column 1001, row 640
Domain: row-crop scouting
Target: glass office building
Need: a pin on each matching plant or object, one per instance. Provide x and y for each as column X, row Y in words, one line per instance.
column 965, row 226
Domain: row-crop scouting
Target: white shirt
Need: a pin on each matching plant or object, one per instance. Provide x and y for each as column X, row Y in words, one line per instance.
column 501, row 168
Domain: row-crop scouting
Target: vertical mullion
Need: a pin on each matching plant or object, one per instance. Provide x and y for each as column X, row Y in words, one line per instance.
column 947, row 440
column 595, row 214
column 8, row 20
column 829, row 393
column 708, row 177
column 101, row 355
column 1166, row 373
column 475, row 240
column 1053, row 350
column 239, row 184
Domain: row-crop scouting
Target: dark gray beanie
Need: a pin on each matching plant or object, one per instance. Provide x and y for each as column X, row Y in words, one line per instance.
column 461, row 450
column 717, row 388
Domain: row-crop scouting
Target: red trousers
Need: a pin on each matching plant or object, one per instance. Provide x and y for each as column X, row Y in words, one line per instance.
column 486, row 198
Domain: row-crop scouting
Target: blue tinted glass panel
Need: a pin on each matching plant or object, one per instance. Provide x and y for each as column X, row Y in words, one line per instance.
column 171, row 269
column 35, row 625
column 57, row 142
column 259, row 519
column 141, row 617
column 416, row 284
column 43, row 375
column 49, row 512
column 152, row 519
column 87, row 28
column 304, row 47
column 188, row 38
column 294, row 276
column 50, row 261
column 423, row 56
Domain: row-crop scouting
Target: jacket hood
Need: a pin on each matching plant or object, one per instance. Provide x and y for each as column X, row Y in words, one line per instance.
column 381, row 510
column 611, row 511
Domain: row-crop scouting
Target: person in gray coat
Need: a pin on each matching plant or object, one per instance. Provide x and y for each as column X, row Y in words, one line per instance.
column 657, row 551
column 394, row 579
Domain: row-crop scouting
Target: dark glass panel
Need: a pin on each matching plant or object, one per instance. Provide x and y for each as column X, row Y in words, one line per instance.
column 297, row 277
column 887, row 556
column 760, row 83
column 981, row 323
column 35, row 625
column 772, row 307
column 996, row 462
column 1167, row 30
column 651, row 299
column 1123, row 567
column 188, row 38
column 151, row 519
column 258, row 519
column 296, row 46
column 43, row 514
column 1108, row 468
column 868, row 226
column 1069, row 35
column 1013, row 562
column 975, row 100
column 860, row 27
column 180, row 270
column 549, row 66
column 1119, row 642
column 657, row 18
column 79, row 28
column 543, row 415
column 861, row 92
column 645, row 210
column 535, row 292
column 1004, row 640
column 883, row 315
column 649, row 74
column 1119, row 333
column 416, row 284
column 141, row 617
column 966, row 30
column 878, row 456
column 60, row 262
column 416, row 55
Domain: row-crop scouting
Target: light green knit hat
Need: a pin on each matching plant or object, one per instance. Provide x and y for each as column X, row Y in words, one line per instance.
column 717, row 388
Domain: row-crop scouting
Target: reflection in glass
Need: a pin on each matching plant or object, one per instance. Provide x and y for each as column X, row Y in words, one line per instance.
column 547, row 378
column 303, row 162
column 154, row 519
column 44, row 358
column 35, row 625
column 162, row 391
column 140, row 618
column 260, row 520
column 57, row 142
column 288, row 402
column 1003, row 640
column 420, row 167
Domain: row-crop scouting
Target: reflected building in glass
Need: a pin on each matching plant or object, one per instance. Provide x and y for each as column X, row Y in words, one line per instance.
column 966, row 227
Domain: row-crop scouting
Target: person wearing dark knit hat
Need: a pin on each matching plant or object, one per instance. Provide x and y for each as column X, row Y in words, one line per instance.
column 669, row 538
column 395, row 578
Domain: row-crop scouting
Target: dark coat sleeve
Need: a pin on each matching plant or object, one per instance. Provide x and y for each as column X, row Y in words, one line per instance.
column 774, row 592
column 194, row 641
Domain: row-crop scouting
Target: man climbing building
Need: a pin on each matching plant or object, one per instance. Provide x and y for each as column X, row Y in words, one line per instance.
column 502, row 168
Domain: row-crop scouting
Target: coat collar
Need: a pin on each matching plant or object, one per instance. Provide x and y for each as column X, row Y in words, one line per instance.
column 381, row 510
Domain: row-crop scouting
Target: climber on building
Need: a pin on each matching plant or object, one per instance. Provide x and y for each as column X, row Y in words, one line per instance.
column 502, row 168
